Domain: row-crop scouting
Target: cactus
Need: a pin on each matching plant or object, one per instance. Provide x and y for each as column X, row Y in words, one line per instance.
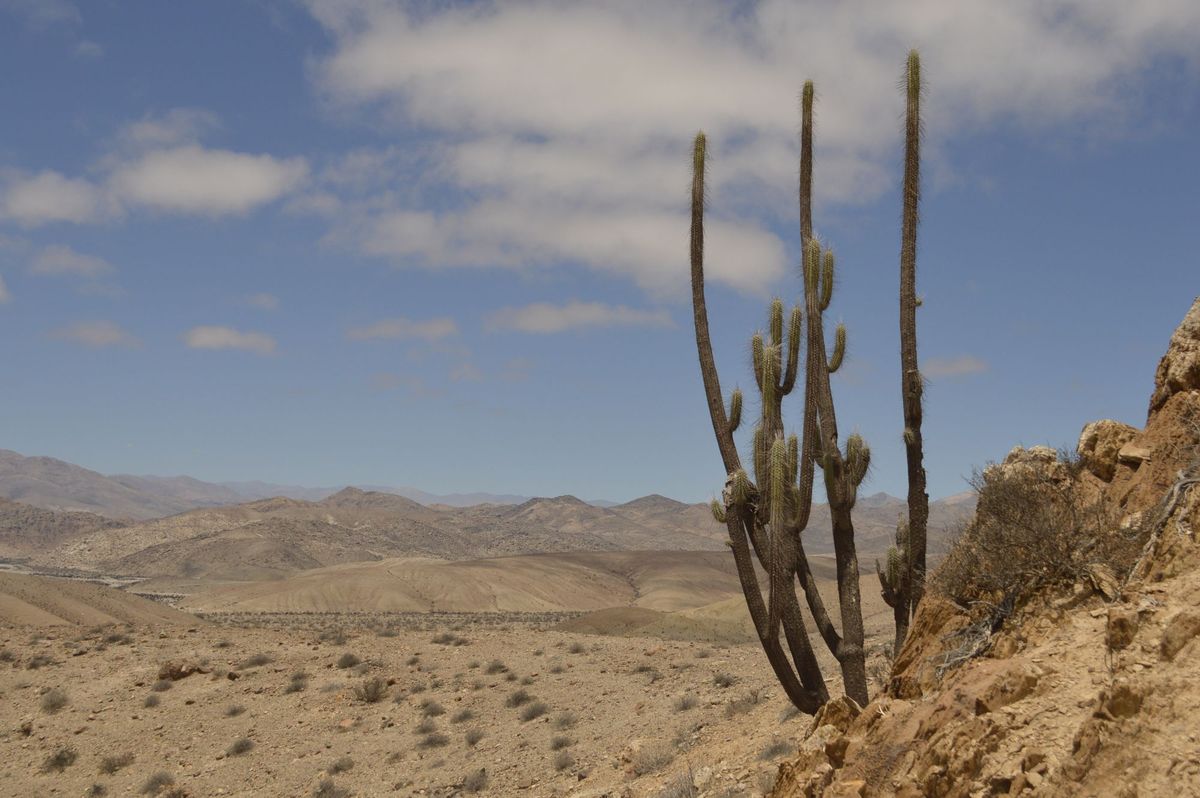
column 765, row 517
column 894, row 581
column 911, row 588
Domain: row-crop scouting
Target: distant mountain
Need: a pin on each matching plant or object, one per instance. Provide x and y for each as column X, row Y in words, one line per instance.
column 27, row 531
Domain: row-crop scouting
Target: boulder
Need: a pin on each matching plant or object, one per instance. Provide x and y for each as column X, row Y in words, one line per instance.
column 1179, row 369
column 1099, row 443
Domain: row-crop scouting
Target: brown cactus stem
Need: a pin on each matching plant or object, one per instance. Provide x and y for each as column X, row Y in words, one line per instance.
column 910, row 375
column 708, row 367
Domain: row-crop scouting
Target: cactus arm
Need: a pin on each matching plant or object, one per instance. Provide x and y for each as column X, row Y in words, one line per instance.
column 795, row 331
column 735, row 410
column 839, row 349
column 708, row 367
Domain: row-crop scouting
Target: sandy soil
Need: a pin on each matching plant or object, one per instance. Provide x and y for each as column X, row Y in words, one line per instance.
column 622, row 716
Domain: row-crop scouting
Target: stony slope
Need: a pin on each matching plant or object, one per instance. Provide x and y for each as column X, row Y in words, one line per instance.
column 27, row 531
column 41, row 601
column 1091, row 693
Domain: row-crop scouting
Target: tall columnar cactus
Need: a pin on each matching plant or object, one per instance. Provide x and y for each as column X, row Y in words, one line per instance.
column 912, row 586
column 766, row 515
column 894, row 581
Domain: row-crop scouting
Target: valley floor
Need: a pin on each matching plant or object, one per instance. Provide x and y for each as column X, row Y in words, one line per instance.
column 504, row 704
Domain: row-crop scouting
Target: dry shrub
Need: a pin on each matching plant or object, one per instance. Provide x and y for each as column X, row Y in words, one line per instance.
column 682, row 786
column 651, row 757
column 534, row 710
column 563, row 760
column 473, row 736
column 1035, row 526
column 348, row 660
column 431, row 708
column 157, row 782
column 685, row 702
column 341, row 765
column 475, row 781
column 327, row 789
column 111, row 764
column 53, row 700
column 60, row 760
column 241, row 745
column 371, row 691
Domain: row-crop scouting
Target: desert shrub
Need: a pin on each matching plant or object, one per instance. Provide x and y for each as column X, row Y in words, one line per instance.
column 425, row 727
column 53, row 700
column 724, row 680
column 111, row 764
column 462, row 716
column 1034, row 527
column 119, row 639
column 151, row 701
column 97, row 790
column 534, row 710
column 256, row 661
column 475, row 781
column 157, row 782
column 565, row 720
column 431, row 708
column 417, row 687
column 298, row 683
column 682, row 786
column 526, row 680
column 7, row 656
column 776, row 749
column 415, row 659
column 744, row 704
column 560, row 741
column 703, row 653
column 450, row 639
column 434, row 740
column 651, row 757
column 60, row 760
column 371, row 691
column 494, row 667
column 39, row 661
column 576, row 648
column 348, row 660
column 327, row 789
column 556, row 668
column 162, row 685
column 223, row 644
column 518, row 698
column 341, row 765
column 337, row 636
column 789, row 712
column 473, row 664
column 473, row 736
column 685, row 702
column 386, row 631
column 510, row 677
column 241, row 745
column 563, row 760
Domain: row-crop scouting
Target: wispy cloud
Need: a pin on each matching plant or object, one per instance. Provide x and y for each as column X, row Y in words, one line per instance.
column 89, row 49
column 541, row 317
column 96, row 335
column 5, row 296
column 571, row 170
column 405, row 329
column 214, row 337
column 262, row 301
column 43, row 13
column 961, row 366
column 59, row 260
column 33, row 200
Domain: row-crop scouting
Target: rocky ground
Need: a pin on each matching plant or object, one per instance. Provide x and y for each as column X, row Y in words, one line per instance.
column 325, row 708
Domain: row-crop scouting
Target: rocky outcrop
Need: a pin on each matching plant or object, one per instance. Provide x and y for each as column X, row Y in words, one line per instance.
column 1095, row 693
column 1100, row 444
column 1179, row 369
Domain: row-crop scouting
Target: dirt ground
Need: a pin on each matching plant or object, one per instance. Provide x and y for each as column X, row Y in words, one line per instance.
column 502, row 706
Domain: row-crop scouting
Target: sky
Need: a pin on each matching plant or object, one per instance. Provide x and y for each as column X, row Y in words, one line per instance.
column 444, row 245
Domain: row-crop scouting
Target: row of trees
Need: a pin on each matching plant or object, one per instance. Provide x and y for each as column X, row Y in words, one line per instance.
column 766, row 507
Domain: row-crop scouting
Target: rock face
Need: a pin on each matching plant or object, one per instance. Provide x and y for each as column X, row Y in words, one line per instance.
column 1100, row 443
column 1179, row 369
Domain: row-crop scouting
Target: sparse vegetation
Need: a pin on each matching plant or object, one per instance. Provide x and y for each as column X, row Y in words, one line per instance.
column 348, row 660
column 298, row 683
column 473, row 736
column 240, row 746
column 60, row 760
column 111, row 764
column 563, row 760
column 560, row 741
column 435, row 740
column 162, row 685
column 371, row 691
column 462, row 716
column 327, row 789
column 494, row 667
column 723, row 680
column 341, row 765
column 685, row 702
column 682, row 786
column 38, row 661
column 151, row 701
column 256, row 661
column 777, row 749
column 425, row 726
column 565, row 720
column 576, row 648
column 534, row 710
column 53, row 700
column 518, row 698
column 475, row 781
column 158, row 781
column 651, row 757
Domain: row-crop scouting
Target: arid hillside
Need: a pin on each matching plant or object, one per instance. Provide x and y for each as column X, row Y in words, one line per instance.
column 1084, row 686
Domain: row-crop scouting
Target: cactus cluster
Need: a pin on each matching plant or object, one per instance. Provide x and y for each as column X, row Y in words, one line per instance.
column 767, row 513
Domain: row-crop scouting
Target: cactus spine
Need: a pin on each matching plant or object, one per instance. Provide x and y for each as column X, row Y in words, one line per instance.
column 765, row 518
column 907, row 592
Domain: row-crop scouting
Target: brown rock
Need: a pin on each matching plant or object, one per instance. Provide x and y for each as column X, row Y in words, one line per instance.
column 1009, row 686
column 1123, row 701
column 1099, row 443
column 835, row 749
column 839, row 712
column 1004, row 646
column 175, row 671
column 1179, row 632
column 1133, row 455
column 1122, row 627
column 1179, row 369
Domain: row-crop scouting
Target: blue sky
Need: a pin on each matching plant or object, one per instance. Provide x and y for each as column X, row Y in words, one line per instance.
column 444, row 245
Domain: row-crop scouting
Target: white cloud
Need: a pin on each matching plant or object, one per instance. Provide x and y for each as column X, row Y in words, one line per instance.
column 176, row 126
column 87, row 49
column 212, row 337
column 541, row 317
column 43, row 13
column 5, row 296
column 961, row 366
column 405, row 329
column 193, row 179
column 50, row 197
column 59, row 259
column 262, row 301
column 588, row 161
column 96, row 335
